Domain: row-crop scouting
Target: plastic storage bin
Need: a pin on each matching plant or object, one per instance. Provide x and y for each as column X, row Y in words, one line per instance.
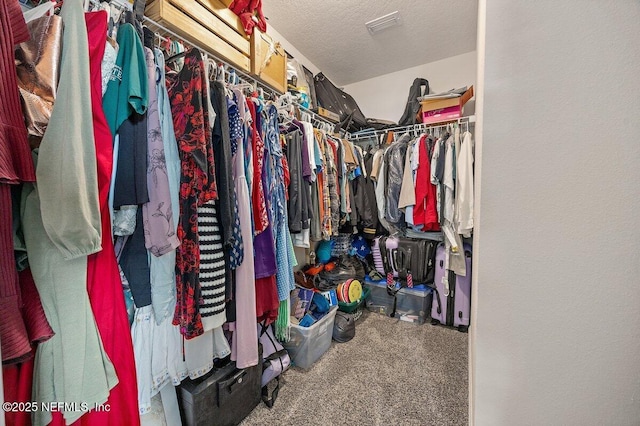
column 413, row 305
column 308, row 344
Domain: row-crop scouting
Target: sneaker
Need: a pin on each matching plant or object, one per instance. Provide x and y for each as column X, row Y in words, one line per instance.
column 303, row 280
column 342, row 272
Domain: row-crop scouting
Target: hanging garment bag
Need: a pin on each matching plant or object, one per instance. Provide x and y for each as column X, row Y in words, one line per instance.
column 452, row 293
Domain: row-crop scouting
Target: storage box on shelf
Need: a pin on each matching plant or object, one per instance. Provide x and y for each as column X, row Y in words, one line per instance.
column 308, row 344
column 211, row 26
column 439, row 110
column 268, row 61
column 413, row 305
column 208, row 24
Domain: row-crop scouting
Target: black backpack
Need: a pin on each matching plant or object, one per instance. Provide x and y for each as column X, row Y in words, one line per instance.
column 413, row 104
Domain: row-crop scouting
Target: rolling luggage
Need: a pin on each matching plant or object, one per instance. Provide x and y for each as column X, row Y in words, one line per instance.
column 383, row 247
column 452, row 293
column 224, row 396
column 415, row 261
column 410, row 260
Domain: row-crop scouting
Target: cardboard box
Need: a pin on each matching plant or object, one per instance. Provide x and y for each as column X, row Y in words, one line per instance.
column 268, row 61
column 437, row 110
column 329, row 115
column 442, row 114
column 207, row 24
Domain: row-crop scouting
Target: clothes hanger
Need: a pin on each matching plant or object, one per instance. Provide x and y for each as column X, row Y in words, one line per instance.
column 176, row 56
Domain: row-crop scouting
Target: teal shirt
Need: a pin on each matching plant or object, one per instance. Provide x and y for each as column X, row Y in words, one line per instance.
column 127, row 90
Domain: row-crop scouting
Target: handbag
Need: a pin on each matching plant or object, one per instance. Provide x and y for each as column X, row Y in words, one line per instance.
column 275, row 361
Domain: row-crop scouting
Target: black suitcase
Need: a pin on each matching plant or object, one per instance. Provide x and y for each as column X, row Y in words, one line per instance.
column 223, row 397
column 416, row 257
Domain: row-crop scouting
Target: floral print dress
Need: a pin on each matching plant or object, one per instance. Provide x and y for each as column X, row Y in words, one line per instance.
column 187, row 91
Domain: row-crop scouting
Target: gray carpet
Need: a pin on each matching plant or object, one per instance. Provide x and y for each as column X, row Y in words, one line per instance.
column 392, row 372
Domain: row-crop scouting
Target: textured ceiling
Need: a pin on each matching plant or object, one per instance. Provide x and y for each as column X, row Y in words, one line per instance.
column 332, row 34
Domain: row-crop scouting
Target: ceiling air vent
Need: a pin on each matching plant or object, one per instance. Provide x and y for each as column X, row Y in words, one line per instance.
column 383, row 22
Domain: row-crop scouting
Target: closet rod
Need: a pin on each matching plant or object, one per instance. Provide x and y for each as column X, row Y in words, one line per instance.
column 320, row 118
column 246, row 78
column 412, row 127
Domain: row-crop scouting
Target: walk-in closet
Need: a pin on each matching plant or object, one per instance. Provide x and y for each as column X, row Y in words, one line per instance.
column 234, row 212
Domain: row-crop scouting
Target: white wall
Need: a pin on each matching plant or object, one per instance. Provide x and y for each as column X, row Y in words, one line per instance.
column 556, row 339
column 385, row 97
column 303, row 60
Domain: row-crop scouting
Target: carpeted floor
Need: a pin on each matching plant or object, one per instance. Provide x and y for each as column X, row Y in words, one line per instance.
column 392, row 372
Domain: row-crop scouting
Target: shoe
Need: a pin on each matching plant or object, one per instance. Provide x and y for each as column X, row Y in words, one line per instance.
column 323, row 285
column 303, row 280
column 340, row 273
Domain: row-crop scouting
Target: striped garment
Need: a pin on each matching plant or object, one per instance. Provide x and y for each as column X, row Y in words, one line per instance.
column 212, row 268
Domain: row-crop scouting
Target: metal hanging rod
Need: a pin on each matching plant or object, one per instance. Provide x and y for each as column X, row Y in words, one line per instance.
column 318, row 117
column 244, row 77
column 412, row 128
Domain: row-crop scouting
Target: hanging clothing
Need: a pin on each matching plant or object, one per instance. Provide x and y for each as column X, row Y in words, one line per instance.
column 160, row 235
column 130, row 184
column 370, row 187
column 108, row 62
column 222, row 151
column 66, row 173
column 455, row 259
column 197, row 184
column 82, row 371
column 134, row 263
column 464, row 187
column 295, row 206
column 162, row 269
column 168, row 368
column 437, row 175
column 284, row 275
column 201, row 351
column 394, row 159
column 332, row 184
column 16, row 164
column 38, row 71
column 260, row 216
column 226, row 193
column 126, row 92
column 267, row 303
column 13, row 333
column 103, row 277
column 17, row 384
column 245, row 335
column 212, row 267
column 425, row 212
column 236, row 133
column 407, row 197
